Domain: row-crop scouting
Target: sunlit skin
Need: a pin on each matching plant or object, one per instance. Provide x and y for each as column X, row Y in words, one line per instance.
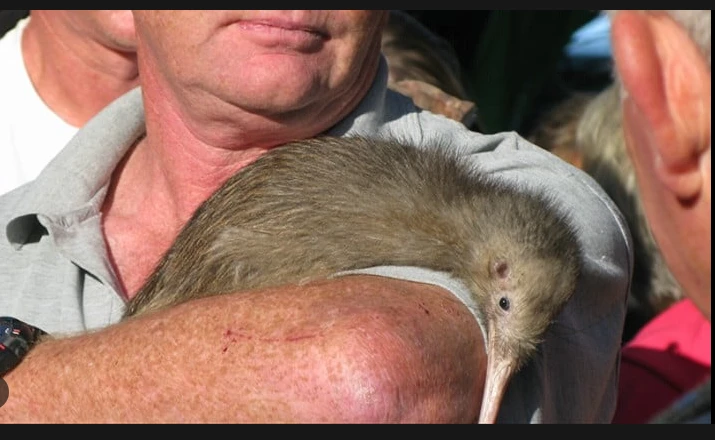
column 113, row 29
column 291, row 74
column 667, row 113
column 80, row 61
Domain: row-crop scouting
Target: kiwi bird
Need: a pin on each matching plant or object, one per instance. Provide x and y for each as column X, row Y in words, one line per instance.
column 312, row 208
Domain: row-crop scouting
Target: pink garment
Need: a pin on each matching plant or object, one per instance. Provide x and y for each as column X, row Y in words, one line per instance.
column 668, row 356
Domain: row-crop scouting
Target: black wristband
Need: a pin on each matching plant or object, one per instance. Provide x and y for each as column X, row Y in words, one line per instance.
column 16, row 339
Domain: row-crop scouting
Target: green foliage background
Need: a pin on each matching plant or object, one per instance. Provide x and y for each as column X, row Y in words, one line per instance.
column 509, row 58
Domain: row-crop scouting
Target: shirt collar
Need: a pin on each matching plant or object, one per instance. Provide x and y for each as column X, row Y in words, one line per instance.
column 72, row 186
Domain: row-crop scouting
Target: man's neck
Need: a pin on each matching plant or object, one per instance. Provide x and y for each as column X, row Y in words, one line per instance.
column 76, row 77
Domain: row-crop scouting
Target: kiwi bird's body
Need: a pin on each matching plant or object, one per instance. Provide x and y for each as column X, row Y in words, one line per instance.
column 312, row 208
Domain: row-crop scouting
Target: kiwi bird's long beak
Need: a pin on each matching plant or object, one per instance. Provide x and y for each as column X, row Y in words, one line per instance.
column 499, row 371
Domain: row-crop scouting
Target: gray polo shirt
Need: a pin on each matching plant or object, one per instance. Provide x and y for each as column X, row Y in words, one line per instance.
column 55, row 272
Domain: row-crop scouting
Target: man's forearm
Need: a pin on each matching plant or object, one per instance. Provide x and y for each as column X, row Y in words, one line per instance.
column 355, row 349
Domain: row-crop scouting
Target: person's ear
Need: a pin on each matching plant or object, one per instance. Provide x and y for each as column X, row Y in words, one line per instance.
column 668, row 94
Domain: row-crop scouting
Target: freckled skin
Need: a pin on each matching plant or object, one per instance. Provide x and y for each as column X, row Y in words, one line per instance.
column 311, row 208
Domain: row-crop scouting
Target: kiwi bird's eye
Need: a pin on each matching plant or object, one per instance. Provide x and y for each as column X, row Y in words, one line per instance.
column 504, row 303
